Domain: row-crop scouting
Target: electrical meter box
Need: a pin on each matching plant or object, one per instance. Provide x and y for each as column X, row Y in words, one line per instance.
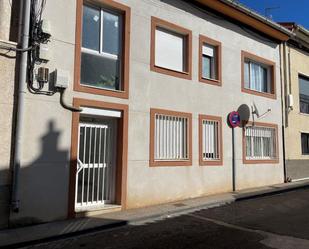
column 61, row 78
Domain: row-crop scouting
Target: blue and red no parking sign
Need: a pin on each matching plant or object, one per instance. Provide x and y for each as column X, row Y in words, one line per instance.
column 234, row 119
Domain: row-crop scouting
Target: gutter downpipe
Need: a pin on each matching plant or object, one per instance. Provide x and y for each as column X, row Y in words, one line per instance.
column 285, row 111
column 24, row 26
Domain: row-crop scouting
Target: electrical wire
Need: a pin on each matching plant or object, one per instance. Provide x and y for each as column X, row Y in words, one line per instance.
column 36, row 38
column 15, row 49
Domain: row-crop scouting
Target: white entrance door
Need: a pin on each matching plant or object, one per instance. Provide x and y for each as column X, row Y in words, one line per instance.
column 96, row 164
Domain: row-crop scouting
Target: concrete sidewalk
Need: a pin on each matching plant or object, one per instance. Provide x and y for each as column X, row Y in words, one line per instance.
column 63, row 229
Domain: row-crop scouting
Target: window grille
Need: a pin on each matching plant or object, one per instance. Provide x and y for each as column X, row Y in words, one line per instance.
column 260, row 143
column 171, row 137
column 211, row 140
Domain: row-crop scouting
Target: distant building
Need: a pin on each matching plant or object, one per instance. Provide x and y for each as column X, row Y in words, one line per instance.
column 296, row 112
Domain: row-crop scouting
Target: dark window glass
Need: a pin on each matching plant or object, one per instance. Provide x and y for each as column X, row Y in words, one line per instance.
column 305, row 143
column 91, row 28
column 111, row 33
column 303, row 94
column 99, row 71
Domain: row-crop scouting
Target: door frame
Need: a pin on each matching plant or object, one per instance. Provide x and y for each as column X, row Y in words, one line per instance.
column 122, row 153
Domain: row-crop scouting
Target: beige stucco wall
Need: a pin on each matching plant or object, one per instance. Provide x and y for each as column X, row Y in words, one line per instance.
column 5, row 19
column 7, row 77
column 297, row 122
column 296, row 163
column 47, row 140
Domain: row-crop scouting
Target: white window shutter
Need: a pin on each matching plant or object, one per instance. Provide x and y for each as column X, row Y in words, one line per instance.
column 208, row 50
column 169, row 50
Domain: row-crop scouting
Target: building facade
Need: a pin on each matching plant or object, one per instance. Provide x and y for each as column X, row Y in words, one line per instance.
column 296, row 104
column 151, row 84
column 8, row 38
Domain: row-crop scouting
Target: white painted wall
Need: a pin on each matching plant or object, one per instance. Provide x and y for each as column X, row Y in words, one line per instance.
column 45, row 170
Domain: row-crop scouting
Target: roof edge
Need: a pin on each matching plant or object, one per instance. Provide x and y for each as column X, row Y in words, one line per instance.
column 249, row 17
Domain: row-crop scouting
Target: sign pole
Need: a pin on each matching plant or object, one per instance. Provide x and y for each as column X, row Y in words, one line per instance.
column 233, row 121
column 233, row 161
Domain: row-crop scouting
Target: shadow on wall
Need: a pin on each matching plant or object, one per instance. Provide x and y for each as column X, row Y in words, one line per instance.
column 43, row 185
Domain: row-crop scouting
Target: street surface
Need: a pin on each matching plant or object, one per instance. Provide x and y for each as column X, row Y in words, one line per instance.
column 279, row 221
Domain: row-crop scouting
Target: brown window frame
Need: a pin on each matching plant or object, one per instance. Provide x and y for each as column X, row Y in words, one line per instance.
column 126, row 12
column 206, row 40
column 156, row 22
column 152, row 161
column 203, row 162
column 244, row 144
column 246, row 55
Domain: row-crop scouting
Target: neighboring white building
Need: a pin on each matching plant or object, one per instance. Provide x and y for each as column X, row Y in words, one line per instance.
column 155, row 81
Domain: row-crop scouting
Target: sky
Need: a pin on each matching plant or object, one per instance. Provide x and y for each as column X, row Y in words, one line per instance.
column 284, row 10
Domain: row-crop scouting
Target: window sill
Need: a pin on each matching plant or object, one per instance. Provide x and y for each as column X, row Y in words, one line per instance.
column 260, row 161
column 211, row 162
column 166, row 163
column 171, row 72
column 262, row 94
column 304, row 114
column 211, row 81
column 101, row 91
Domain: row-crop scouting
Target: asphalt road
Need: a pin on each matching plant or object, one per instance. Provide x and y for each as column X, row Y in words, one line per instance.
column 279, row 221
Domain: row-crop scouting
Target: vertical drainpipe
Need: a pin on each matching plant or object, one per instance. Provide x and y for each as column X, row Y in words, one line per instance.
column 23, row 43
column 284, row 93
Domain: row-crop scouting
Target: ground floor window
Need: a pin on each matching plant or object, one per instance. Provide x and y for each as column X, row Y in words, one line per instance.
column 210, row 140
column 171, row 136
column 305, row 143
column 260, row 143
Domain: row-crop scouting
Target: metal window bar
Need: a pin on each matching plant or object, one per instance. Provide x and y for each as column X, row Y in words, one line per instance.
column 210, row 140
column 94, row 171
column 260, row 143
column 171, row 134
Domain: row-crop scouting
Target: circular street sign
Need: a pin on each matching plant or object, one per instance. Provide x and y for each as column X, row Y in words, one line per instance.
column 234, row 119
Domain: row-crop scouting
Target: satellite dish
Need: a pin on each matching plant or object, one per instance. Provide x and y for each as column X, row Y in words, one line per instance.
column 244, row 112
column 255, row 111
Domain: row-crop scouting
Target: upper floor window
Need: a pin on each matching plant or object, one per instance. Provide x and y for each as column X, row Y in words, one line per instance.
column 258, row 75
column 102, row 48
column 210, row 61
column 170, row 49
column 303, row 94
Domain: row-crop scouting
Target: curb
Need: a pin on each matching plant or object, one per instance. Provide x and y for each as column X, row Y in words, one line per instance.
column 234, row 197
column 116, row 224
column 269, row 192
